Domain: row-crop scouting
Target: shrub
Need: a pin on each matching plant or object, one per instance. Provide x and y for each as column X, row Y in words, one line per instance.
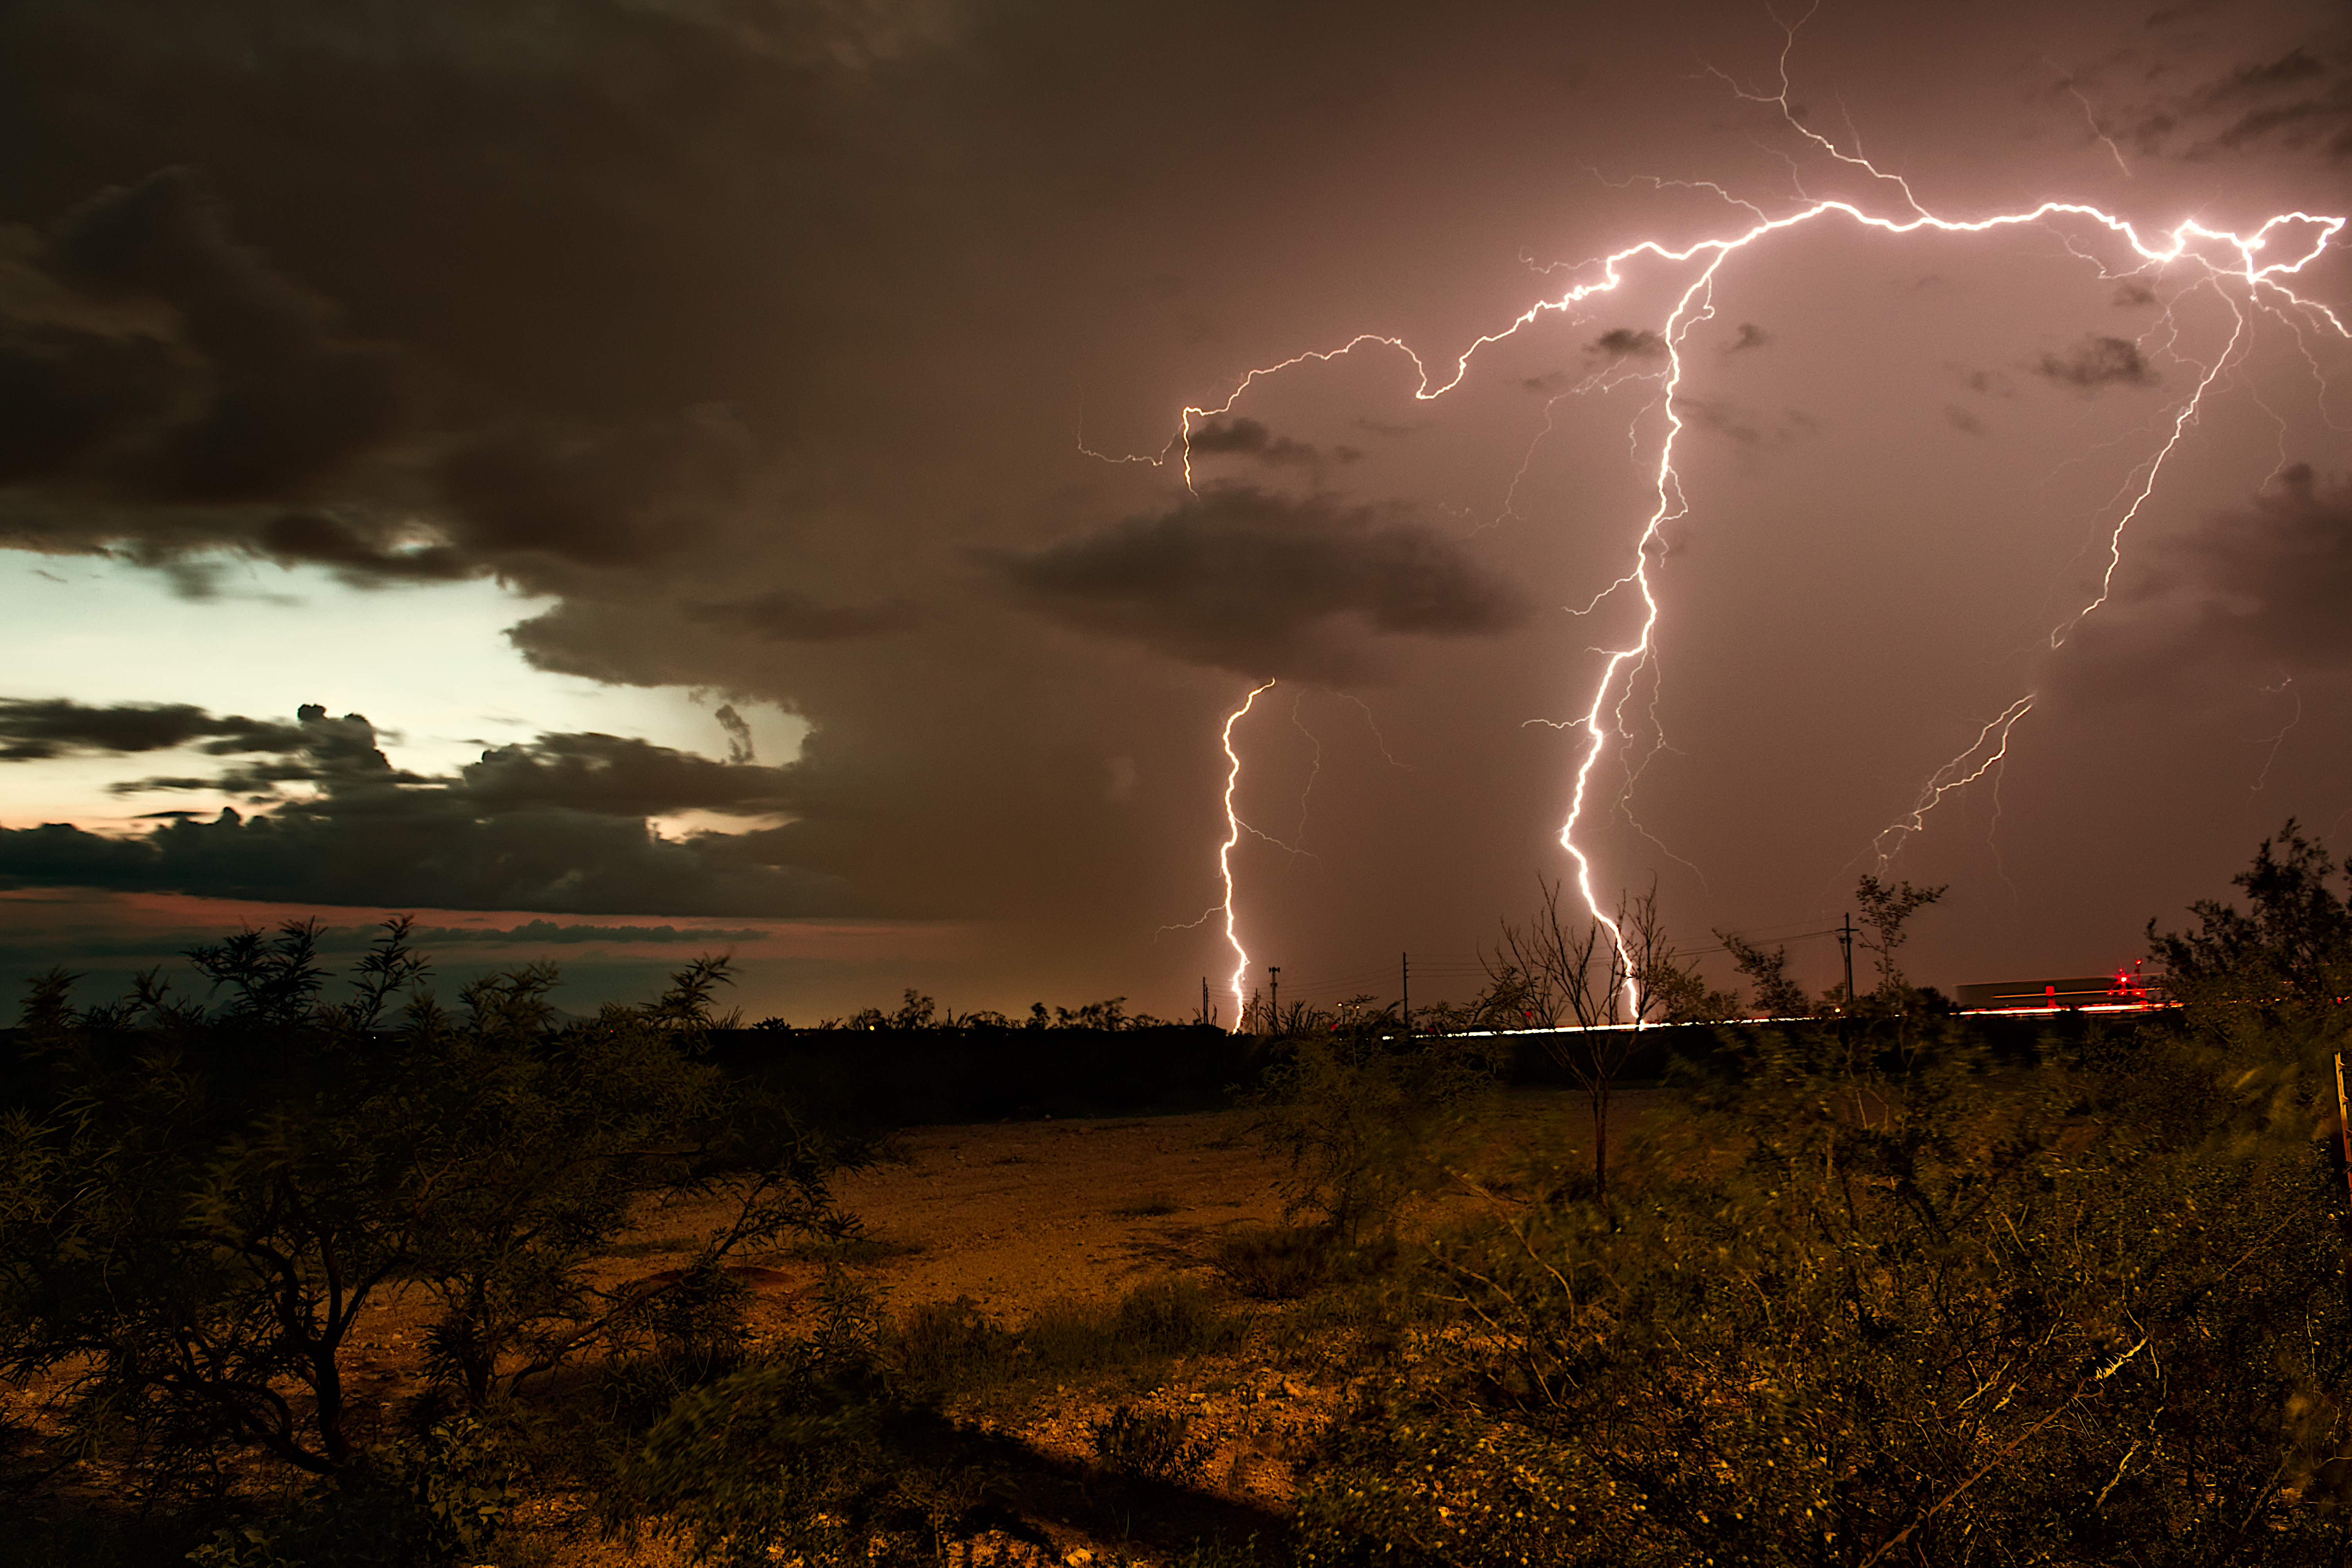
column 1156, row 1321
column 946, row 1345
column 1362, row 1120
column 1277, row 1264
column 414, row 1504
column 1150, row 1445
column 202, row 1206
column 1921, row 1310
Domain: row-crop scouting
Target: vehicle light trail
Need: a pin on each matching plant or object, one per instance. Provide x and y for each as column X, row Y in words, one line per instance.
column 2234, row 265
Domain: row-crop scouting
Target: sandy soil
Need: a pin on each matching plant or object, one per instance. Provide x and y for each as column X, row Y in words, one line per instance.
column 1013, row 1215
column 1018, row 1213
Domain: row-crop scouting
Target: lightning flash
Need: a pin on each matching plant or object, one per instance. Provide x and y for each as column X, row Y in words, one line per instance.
column 1234, row 826
column 2252, row 271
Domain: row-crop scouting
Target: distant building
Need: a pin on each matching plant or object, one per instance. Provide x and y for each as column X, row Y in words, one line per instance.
column 2126, row 990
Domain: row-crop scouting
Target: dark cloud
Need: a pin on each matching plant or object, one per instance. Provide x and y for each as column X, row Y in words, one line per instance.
column 428, row 853
column 2133, row 291
column 1627, row 342
column 535, row 933
column 738, row 734
column 613, row 775
column 1266, row 585
column 32, row 728
column 619, row 501
column 2298, row 101
column 155, row 365
column 1751, row 428
column 255, row 395
column 313, row 539
column 430, row 939
column 787, row 617
column 608, row 775
column 2098, row 363
column 559, row 824
column 1751, row 336
column 1249, row 439
column 1963, row 421
column 2261, row 588
column 2275, row 578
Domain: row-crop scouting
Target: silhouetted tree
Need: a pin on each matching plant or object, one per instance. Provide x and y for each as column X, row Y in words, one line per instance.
column 201, row 1206
column 1885, row 912
column 2294, row 943
column 1777, row 995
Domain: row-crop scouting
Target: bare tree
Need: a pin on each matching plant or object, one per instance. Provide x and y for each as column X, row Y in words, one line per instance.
column 1549, row 967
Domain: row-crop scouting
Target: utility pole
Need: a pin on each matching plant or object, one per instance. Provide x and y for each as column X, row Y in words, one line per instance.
column 1273, row 994
column 1205, row 999
column 1845, row 940
column 1404, row 980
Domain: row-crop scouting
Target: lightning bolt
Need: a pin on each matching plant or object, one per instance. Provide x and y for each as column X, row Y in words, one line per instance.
column 1232, row 839
column 2292, row 241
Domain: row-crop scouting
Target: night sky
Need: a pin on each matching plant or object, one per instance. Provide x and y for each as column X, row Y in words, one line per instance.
column 717, row 468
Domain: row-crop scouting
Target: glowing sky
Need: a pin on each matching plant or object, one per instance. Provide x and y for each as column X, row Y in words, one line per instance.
column 541, row 382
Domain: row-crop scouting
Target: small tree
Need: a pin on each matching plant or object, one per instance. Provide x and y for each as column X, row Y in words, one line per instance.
column 1358, row 1110
column 2295, row 944
column 1885, row 912
column 201, row 1207
column 1547, row 965
column 1777, row 995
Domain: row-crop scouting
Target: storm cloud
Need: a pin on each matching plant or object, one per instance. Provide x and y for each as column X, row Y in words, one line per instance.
column 2254, row 593
column 1629, row 342
column 2097, row 363
column 1266, row 585
column 833, row 361
column 32, row 729
column 782, row 614
column 1250, row 438
column 557, row 823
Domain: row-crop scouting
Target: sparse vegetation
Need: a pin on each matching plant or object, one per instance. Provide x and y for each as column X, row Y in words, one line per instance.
column 203, row 1205
column 1362, row 1117
column 1156, row 1444
column 1885, row 1289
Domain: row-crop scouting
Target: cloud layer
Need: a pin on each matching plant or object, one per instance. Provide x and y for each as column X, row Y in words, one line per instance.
column 559, row 824
column 1266, row 585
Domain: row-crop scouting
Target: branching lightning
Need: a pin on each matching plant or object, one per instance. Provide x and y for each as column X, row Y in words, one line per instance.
column 2256, row 266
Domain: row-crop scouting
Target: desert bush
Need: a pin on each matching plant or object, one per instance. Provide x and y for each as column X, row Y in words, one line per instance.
column 1363, row 1120
column 1150, row 1445
column 1847, row 1310
column 942, row 1346
column 692, row 1332
column 1279, row 1263
column 418, row 1503
column 1156, row 1321
column 202, row 1205
column 818, row 1453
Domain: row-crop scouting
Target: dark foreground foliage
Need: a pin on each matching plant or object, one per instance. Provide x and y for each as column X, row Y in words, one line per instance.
column 203, row 1203
column 1863, row 1293
column 1885, row 1298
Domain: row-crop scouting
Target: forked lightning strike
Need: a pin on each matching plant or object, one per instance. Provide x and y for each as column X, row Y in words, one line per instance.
column 2229, row 260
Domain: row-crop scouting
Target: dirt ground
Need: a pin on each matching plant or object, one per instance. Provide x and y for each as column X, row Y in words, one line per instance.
column 1015, row 1216
column 1020, row 1212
